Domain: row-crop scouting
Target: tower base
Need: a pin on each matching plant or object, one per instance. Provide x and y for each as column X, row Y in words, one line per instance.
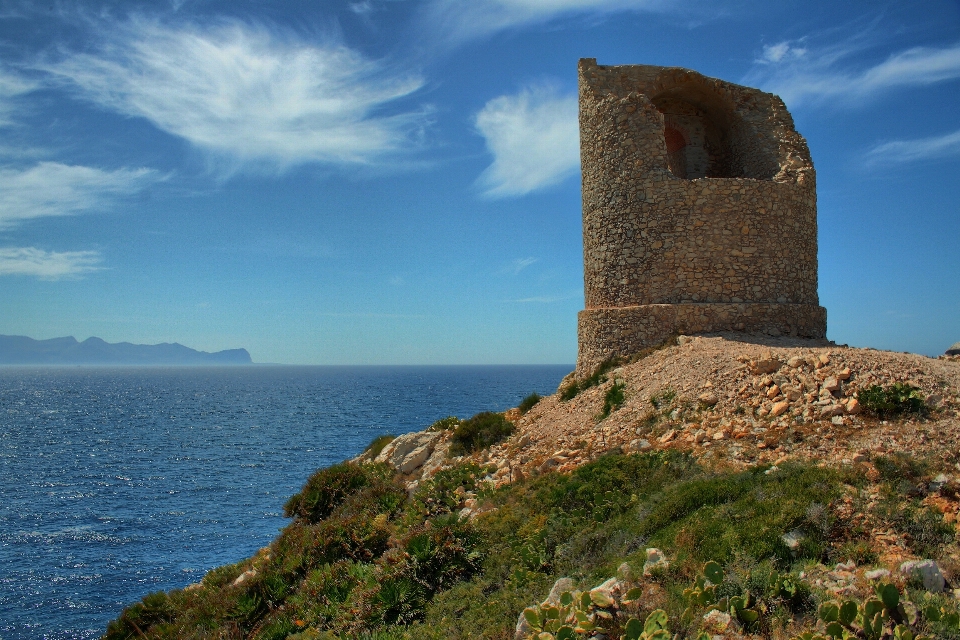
column 623, row 331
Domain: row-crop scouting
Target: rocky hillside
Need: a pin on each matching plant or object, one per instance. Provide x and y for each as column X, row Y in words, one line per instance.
column 733, row 401
column 717, row 487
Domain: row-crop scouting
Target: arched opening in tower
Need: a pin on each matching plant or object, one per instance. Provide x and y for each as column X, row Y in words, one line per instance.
column 705, row 138
column 676, row 151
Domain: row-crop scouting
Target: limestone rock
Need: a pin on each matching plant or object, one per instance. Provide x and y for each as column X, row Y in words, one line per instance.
column 717, row 621
column 954, row 350
column 436, row 459
column 708, row 399
column 408, row 452
column 925, row 571
column 796, row 362
column 793, row 539
column 770, row 365
column 779, row 408
column 243, row 577
column 561, row 585
column 522, row 629
column 656, row 561
column 876, row 574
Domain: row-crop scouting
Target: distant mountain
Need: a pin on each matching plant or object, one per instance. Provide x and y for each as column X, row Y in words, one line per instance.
column 24, row 350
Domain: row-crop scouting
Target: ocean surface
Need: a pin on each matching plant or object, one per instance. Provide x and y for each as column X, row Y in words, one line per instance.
column 116, row 482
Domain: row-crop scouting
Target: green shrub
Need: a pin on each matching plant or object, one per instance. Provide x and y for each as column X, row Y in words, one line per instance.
column 896, row 400
column 442, row 493
column 154, row 609
column 328, row 488
column 377, row 444
column 445, row 424
column 613, row 399
column 479, row 432
column 598, row 377
column 529, row 402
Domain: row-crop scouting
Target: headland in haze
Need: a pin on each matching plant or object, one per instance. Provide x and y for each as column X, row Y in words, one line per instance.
column 95, row 351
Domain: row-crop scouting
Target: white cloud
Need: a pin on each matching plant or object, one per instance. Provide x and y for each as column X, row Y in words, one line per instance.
column 249, row 95
column 47, row 265
column 800, row 74
column 11, row 88
column 780, row 52
column 461, row 20
column 534, row 137
column 54, row 189
column 900, row 151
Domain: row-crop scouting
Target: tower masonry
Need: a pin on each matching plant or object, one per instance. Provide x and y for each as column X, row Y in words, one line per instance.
column 699, row 212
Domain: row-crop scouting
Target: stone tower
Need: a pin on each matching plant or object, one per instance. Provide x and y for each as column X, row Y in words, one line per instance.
column 699, row 212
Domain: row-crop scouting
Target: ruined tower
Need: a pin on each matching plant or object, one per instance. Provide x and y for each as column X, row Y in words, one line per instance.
column 699, row 212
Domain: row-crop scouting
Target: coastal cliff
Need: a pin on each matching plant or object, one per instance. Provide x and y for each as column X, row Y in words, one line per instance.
column 715, row 486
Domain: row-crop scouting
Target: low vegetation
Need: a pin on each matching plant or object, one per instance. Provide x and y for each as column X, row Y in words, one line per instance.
column 613, row 399
column 895, row 400
column 479, row 432
column 445, row 424
column 598, row 377
column 529, row 402
column 362, row 558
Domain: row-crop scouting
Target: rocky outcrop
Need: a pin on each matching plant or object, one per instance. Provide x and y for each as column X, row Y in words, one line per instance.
column 411, row 451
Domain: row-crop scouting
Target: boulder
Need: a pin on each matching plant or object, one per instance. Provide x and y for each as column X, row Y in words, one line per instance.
column 523, row 629
column 954, row 350
column 561, row 585
column 408, row 452
column 767, row 365
column 656, row 561
column 708, row 399
column 926, row 572
column 436, row 459
column 717, row 622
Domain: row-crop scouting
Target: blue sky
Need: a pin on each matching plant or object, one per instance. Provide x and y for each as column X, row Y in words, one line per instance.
column 397, row 181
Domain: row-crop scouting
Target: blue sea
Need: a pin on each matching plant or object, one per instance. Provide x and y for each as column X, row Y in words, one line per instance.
column 116, row 482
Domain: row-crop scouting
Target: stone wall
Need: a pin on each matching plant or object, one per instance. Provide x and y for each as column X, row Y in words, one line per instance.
column 699, row 211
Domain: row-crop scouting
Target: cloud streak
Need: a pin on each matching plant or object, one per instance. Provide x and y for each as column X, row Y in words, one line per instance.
column 460, row 21
column 518, row 265
column 47, row 265
column 903, row 151
column 534, row 138
column 801, row 74
column 53, row 189
column 249, row 95
column 11, row 88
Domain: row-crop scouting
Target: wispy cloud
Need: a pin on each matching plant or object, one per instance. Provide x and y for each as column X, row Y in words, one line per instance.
column 801, row 73
column 12, row 86
column 458, row 20
column 250, row 95
column 47, row 265
column 902, row 151
column 548, row 299
column 518, row 265
column 54, row 189
column 534, row 138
